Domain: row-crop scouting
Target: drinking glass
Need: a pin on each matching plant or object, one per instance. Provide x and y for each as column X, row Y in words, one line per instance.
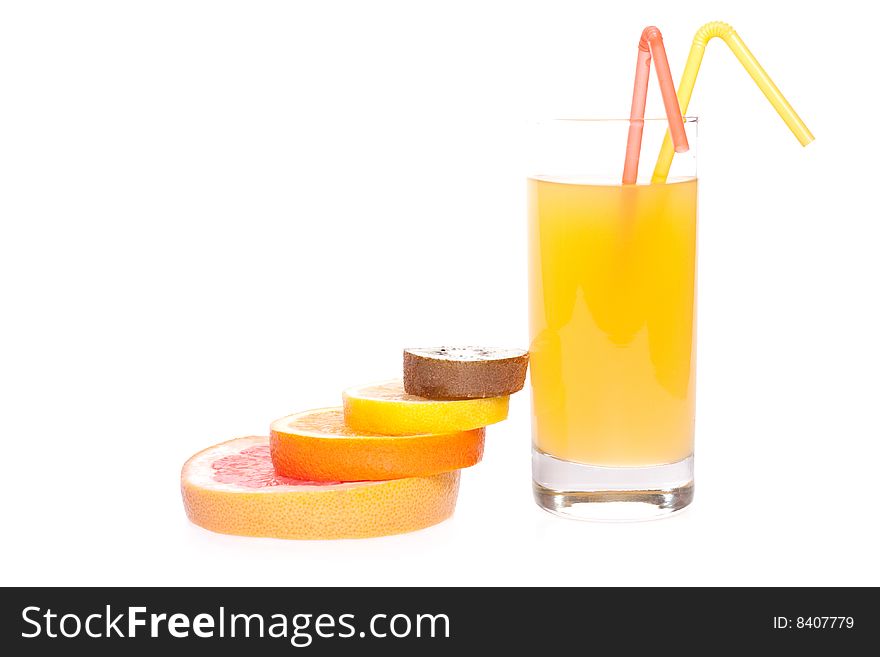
column 611, row 321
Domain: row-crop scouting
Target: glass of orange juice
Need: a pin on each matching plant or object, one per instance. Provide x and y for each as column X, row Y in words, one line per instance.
column 611, row 321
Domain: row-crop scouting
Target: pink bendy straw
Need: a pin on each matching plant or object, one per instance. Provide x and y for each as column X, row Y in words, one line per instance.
column 651, row 44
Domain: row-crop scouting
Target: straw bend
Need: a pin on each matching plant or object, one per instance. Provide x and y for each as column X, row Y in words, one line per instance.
column 727, row 34
column 649, row 34
column 711, row 30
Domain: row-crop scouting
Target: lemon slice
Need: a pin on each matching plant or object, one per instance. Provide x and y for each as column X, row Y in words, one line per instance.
column 385, row 408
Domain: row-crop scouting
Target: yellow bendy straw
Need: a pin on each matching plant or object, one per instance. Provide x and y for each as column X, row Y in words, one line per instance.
column 726, row 33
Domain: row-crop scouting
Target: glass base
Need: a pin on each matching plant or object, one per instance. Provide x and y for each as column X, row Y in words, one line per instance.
column 592, row 492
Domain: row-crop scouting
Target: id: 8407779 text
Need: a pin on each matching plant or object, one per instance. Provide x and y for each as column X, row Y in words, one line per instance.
column 814, row 622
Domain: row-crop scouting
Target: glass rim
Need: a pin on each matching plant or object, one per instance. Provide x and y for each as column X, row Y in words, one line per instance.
column 613, row 120
column 579, row 119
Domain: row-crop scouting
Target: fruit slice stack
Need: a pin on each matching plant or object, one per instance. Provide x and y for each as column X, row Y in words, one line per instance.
column 385, row 462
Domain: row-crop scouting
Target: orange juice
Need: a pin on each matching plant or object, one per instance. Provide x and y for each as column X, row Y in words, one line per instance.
column 611, row 281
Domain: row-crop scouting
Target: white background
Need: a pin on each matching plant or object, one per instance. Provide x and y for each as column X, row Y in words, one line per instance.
column 218, row 213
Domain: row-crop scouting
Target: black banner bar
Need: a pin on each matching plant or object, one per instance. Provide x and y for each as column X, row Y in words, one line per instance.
column 339, row 621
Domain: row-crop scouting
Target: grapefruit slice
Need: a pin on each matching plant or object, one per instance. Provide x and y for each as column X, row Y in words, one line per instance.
column 386, row 408
column 232, row 488
column 317, row 445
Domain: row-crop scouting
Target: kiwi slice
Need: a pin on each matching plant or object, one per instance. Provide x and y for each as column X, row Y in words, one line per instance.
column 464, row 372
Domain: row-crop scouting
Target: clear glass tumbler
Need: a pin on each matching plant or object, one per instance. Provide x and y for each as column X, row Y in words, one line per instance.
column 611, row 320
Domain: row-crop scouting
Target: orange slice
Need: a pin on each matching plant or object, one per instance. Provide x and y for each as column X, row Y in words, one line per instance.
column 231, row 488
column 317, row 445
column 386, row 408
